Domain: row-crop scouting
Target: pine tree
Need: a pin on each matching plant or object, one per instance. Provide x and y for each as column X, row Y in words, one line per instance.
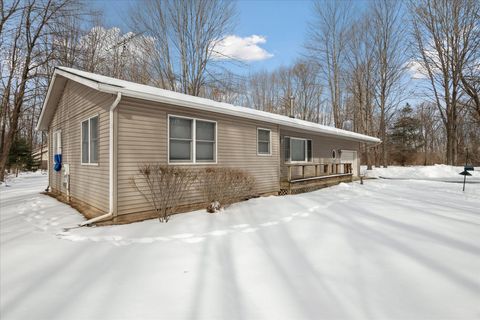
column 20, row 156
column 405, row 136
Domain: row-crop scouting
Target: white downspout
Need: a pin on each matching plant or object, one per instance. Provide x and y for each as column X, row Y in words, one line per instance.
column 111, row 159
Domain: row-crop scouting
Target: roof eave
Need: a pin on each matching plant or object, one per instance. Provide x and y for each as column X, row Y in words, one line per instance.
column 44, row 120
column 207, row 107
column 45, row 117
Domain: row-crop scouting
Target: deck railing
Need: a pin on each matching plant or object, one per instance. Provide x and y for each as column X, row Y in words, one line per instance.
column 321, row 169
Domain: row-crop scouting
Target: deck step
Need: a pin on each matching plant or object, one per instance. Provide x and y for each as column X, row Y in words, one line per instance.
column 321, row 177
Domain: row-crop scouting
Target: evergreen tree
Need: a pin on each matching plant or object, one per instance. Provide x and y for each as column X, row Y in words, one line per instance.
column 20, row 156
column 405, row 136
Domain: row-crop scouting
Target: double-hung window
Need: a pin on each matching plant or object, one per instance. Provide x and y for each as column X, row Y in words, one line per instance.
column 192, row 140
column 90, row 141
column 297, row 149
column 181, row 138
column 204, row 141
column 263, row 142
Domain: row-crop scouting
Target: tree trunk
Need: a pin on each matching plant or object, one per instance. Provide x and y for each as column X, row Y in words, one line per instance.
column 383, row 154
column 4, row 156
column 425, row 149
column 384, row 150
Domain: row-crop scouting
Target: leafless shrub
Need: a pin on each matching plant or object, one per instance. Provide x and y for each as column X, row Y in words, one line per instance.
column 224, row 186
column 163, row 187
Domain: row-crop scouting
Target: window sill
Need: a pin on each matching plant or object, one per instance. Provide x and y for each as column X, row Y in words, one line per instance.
column 191, row 163
column 298, row 162
column 89, row 164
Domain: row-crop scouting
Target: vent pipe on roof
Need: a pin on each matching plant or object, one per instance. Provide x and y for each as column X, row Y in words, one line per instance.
column 292, row 112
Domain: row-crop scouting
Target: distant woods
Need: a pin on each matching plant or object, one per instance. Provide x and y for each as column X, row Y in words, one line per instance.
column 357, row 70
column 30, row 32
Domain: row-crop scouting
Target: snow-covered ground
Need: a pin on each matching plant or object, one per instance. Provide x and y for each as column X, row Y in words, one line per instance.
column 388, row 249
column 438, row 172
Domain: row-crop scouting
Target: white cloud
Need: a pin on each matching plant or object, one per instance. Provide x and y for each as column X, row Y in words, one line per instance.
column 416, row 70
column 244, row 49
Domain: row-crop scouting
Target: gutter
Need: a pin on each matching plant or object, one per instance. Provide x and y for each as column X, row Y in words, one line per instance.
column 205, row 104
column 111, row 167
column 375, row 144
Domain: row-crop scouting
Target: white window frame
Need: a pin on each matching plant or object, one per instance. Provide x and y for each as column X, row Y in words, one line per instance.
column 81, row 141
column 194, row 142
column 306, row 149
column 55, row 145
column 269, row 142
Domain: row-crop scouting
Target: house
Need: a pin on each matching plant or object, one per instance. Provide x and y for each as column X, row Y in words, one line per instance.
column 100, row 129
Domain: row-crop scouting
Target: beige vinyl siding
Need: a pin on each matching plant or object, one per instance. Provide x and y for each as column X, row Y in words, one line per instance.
column 322, row 147
column 88, row 183
column 142, row 138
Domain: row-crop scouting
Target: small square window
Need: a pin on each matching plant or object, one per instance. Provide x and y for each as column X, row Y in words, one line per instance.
column 263, row 142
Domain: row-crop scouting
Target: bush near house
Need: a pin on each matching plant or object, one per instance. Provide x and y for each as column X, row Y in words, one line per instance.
column 224, row 186
column 164, row 187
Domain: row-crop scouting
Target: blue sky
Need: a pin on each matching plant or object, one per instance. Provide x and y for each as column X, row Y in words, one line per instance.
column 282, row 24
column 268, row 34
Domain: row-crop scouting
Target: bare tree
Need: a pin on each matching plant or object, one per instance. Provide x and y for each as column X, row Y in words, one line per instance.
column 263, row 91
column 7, row 13
column 296, row 86
column 23, row 58
column 326, row 44
column 113, row 53
column 444, row 34
column 471, row 86
column 185, row 34
column 389, row 44
column 430, row 122
column 470, row 74
column 227, row 87
column 361, row 73
column 307, row 90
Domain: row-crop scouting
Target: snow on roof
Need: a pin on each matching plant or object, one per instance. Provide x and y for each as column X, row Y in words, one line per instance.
column 136, row 90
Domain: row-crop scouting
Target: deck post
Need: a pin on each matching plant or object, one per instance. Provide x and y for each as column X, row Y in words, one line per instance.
column 303, row 171
column 289, row 173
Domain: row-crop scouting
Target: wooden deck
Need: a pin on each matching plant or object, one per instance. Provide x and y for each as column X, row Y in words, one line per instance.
column 325, row 175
